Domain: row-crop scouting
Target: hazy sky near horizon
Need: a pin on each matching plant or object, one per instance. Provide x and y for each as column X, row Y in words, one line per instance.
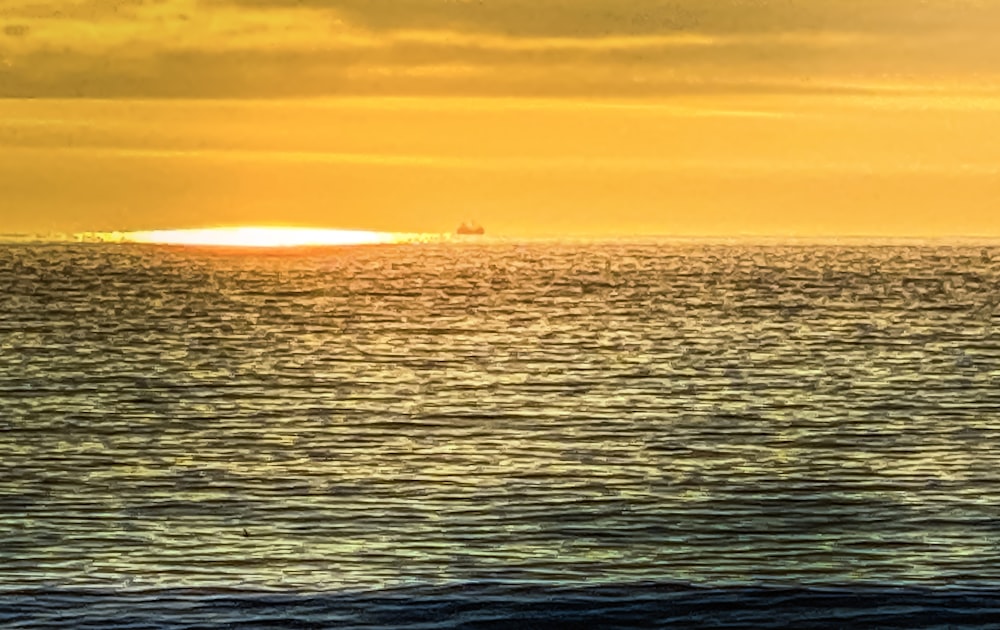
column 594, row 116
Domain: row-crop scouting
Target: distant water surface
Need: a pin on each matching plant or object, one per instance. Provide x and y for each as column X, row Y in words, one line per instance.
column 641, row 425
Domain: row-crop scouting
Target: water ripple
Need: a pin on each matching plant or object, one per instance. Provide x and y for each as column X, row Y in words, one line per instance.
column 446, row 413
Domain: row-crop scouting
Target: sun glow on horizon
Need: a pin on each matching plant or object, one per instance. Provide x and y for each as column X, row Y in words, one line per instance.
column 255, row 236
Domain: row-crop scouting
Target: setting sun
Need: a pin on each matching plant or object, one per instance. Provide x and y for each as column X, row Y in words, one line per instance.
column 265, row 237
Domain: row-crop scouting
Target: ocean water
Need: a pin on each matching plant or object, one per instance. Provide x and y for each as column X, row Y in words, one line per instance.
column 500, row 434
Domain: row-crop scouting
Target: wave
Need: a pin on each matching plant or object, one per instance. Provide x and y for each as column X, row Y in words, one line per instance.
column 496, row 605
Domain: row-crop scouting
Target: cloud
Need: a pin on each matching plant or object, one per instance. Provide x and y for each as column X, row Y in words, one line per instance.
column 600, row 18
column 87, row 10
column 267, row 48
column 255, row 73
column 15, row 30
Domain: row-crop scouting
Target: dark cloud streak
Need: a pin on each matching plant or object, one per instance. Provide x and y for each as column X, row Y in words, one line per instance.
column 16, row 30
column 597, row 18
column 409, row 72
column 607, row 48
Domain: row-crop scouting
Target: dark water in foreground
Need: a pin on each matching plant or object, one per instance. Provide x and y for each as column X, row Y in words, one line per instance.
column 502, row 434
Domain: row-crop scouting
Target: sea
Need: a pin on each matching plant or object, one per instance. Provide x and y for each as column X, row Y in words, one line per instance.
column 496, row 433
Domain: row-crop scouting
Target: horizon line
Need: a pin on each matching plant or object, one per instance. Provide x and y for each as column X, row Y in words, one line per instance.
column 122, row 237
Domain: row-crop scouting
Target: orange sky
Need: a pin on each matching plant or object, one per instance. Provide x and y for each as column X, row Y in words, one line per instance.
column 819, row 117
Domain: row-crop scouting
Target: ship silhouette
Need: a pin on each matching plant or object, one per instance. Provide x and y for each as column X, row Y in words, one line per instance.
column 470, row 228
